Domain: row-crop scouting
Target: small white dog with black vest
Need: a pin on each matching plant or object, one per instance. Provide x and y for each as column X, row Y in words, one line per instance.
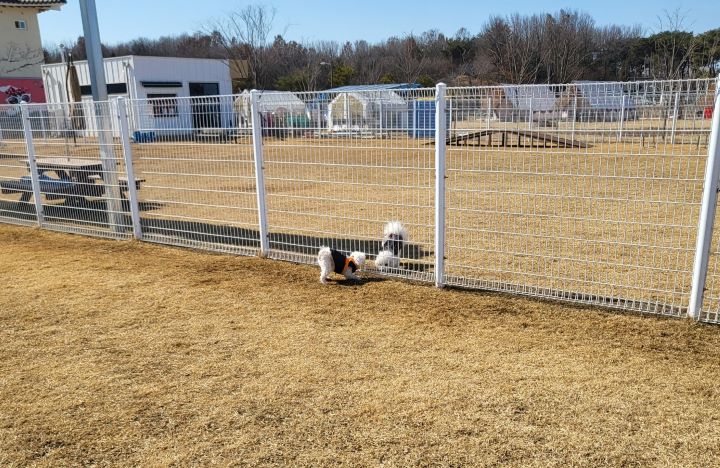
column 331, row 260
column 394, row 238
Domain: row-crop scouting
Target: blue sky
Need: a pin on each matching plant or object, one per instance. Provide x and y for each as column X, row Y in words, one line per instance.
column 373, row 20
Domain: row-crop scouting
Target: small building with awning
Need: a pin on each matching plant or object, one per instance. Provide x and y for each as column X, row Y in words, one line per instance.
column 170, row 94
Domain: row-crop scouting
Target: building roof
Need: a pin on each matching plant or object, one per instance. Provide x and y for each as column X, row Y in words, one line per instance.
column 129, row 57
column 41, row 4
column 373, row 87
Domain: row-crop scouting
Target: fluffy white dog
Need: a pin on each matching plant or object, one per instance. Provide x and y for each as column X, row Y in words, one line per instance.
column 394, row 238
column 331, row 260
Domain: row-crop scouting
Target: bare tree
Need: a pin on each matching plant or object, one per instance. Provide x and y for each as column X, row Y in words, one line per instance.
column 568, row 39
column 707, row 59
column 408, row 57
column 673, row 47
column 244, row 35
column 512, row 45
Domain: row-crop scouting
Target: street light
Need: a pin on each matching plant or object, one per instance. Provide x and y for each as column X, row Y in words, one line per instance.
column 322, row 64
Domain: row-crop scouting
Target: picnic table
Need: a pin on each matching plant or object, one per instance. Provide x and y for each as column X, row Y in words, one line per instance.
column 75, row 179
column 80, row 173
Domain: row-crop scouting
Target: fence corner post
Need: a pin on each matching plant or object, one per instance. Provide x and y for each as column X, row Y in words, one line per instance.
column 122, row 116
column 440, row 176
column 707, row 214
column 32, row 164
column 256, row 122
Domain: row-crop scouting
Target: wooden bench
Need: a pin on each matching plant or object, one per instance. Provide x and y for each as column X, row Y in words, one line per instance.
column 56, row 189
column 122, row 182
column 52, row 188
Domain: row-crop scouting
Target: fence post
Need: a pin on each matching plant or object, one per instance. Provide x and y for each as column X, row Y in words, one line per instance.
column 675, row 117
column 32, row 164
column 381, row 119
column 707, row 214
column 530, row 116
column 489, row 112
column 414, row 118
column 622, row 118
column 124, row 128
column 440, row 147
column 259, row 172
column 572, row 138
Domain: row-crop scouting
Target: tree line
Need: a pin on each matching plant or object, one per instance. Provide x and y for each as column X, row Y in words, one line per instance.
column 539, row 48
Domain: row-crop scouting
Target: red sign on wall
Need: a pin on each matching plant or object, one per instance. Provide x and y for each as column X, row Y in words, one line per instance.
column 16, row 90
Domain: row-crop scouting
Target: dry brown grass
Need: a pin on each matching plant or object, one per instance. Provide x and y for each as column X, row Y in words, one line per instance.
column 134, row 354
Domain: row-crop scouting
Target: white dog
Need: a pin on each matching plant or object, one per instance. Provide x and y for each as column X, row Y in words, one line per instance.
column 394, row 238
column 331, row 260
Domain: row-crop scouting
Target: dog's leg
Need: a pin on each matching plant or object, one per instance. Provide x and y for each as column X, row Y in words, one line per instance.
column 323, row 275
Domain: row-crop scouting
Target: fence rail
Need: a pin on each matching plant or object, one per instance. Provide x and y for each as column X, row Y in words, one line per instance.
column 596, row 193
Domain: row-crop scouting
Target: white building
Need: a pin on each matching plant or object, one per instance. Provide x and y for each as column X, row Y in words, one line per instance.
column 160, row 89
column 21, row 50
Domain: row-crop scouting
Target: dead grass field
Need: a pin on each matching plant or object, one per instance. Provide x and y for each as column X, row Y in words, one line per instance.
column 128, row 354
column 614, row 220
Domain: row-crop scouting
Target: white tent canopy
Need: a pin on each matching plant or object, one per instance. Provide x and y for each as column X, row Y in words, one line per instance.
column 351, row 109
column 531, row 97
column 604, row 95
column 269, row 102
column 280, row 102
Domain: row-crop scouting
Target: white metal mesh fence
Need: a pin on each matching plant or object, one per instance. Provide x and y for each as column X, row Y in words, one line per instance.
column 15, row 189
column 81, row 176
column 588, row 192
column 339, row 166
column 193, row 158
column 710, row 306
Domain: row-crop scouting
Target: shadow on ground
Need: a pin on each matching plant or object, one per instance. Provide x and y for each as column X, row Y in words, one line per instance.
column 93, row 214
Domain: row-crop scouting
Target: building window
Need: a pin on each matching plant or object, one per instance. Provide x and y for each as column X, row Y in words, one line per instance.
column 112, row 88
column 164, row 105
column 20, row 24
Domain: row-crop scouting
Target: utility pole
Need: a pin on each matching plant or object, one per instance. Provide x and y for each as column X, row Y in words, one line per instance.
column 102, row 115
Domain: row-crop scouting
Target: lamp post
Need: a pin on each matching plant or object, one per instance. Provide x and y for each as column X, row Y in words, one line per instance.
column 322, row 64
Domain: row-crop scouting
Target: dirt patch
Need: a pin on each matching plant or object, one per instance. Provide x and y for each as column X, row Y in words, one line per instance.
column 126, row 353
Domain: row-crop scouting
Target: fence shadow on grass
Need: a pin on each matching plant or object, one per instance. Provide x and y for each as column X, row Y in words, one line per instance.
column 93, row 214
column 291, row 243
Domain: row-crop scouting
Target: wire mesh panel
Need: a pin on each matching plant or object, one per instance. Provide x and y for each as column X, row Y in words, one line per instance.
column 194, row 161
column 588, row 192
column 339, row 166
column 80, row 170
column 15, row 188
column 710, row 307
